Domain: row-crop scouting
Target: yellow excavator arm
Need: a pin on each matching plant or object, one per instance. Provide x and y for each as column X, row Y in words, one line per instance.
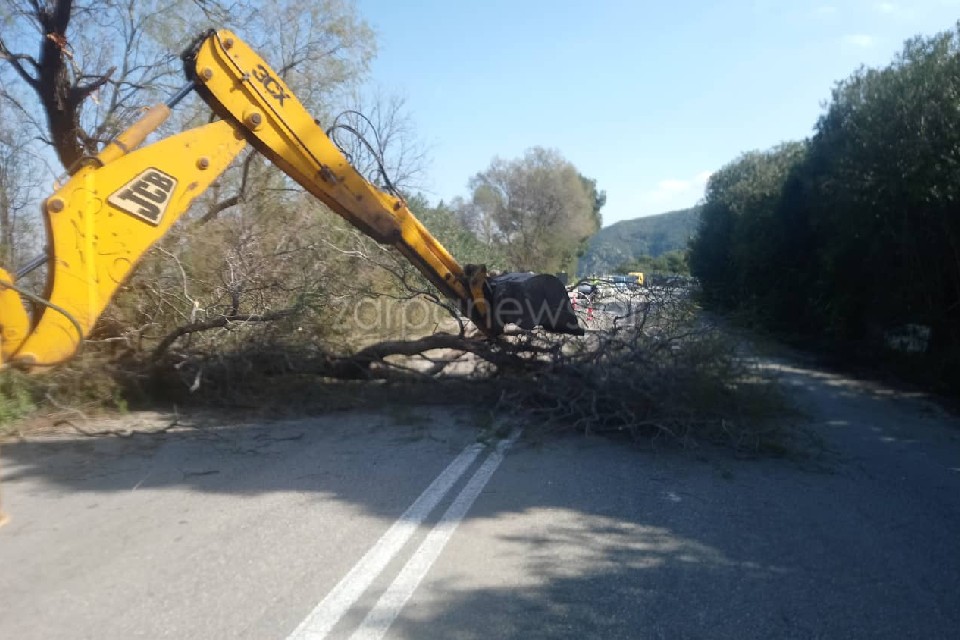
column 116, row 205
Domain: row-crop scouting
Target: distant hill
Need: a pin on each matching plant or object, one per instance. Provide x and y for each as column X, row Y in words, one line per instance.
column 629, row 239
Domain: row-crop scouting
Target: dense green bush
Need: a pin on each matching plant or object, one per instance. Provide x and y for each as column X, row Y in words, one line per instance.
column 854, row 233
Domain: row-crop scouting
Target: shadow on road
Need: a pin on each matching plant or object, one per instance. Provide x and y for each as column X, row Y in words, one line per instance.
column 587, row 538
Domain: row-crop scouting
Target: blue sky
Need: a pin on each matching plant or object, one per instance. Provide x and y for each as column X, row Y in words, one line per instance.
column 648, row 98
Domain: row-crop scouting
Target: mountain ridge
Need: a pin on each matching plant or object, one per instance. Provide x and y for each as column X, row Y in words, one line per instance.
column 626, row 240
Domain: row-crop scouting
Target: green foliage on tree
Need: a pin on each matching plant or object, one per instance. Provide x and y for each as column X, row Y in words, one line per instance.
column 856, row 231
column 739, row 237
column 597, row 197
column 537, row 209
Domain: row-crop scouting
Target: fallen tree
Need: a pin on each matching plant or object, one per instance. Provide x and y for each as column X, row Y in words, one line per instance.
column 648, row 368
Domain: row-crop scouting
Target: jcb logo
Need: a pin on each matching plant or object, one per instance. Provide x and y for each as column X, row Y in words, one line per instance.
column 270, row 84
column 146, row 196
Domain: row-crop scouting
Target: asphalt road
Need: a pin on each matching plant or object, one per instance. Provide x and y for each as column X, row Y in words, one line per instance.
column 397, row 524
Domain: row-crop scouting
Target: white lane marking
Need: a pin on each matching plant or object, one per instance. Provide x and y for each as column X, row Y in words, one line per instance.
column 388, row 607
column 326, row 614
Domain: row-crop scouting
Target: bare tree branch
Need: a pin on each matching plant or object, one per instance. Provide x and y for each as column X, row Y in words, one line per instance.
column 217, row 323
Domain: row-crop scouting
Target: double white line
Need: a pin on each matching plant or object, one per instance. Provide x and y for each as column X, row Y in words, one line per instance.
column 326, row 614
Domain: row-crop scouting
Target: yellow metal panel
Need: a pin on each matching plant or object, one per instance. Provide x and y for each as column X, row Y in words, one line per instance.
column 106, row 217
column 14, row 322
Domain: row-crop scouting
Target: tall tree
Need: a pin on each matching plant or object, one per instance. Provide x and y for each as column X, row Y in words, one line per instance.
column 598, row 197
column 855, row 232
column 738, row 240
column 19, row 186
column 99, row 63
column 538, row 207
column 886, row 151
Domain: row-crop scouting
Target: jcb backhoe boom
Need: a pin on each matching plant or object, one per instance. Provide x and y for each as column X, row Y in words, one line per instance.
column 116, row 205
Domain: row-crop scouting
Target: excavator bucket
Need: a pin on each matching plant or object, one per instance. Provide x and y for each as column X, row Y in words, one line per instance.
column 531, row 300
